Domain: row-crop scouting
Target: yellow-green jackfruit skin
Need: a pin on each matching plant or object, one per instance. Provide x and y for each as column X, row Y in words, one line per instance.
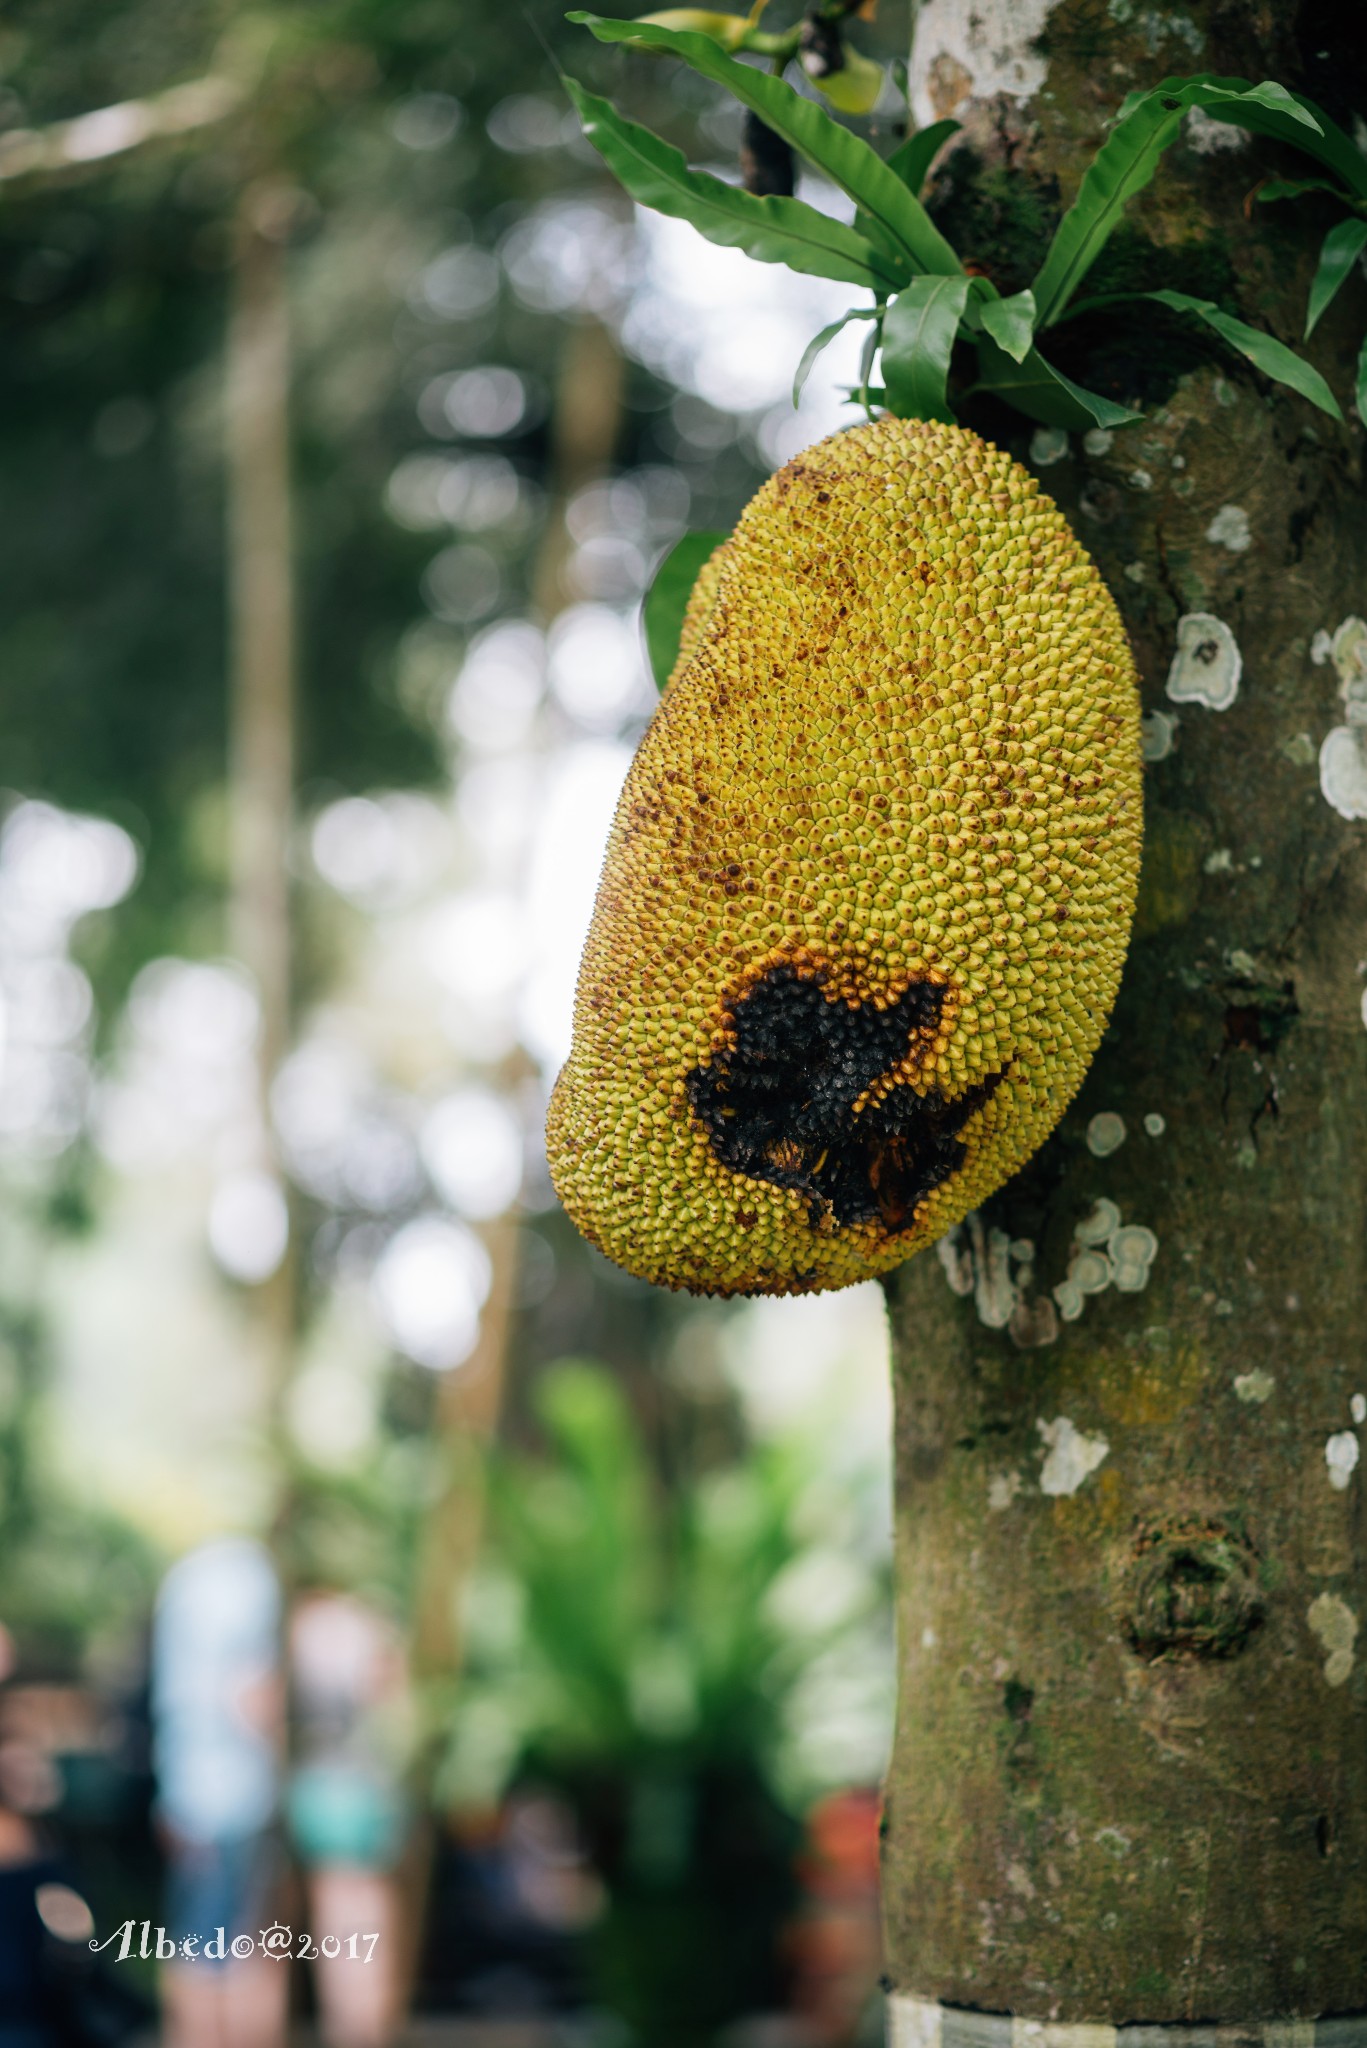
column 867, row 894
column 698, row 610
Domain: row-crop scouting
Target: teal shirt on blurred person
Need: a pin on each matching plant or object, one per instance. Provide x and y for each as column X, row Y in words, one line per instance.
column 345, row 1803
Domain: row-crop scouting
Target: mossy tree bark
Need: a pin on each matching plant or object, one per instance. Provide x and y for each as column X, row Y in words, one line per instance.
column 1130, row 1775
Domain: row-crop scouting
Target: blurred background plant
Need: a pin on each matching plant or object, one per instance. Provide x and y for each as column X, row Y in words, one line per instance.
column 690, row 1670
column 278, row 1250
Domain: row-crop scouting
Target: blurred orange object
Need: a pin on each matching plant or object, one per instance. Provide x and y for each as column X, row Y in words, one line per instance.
column 835, row 1944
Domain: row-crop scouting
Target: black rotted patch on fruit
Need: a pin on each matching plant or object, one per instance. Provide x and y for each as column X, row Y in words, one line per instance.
column 778, row 1103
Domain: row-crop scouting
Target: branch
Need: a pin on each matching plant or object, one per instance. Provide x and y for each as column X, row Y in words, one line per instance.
column 116, row 131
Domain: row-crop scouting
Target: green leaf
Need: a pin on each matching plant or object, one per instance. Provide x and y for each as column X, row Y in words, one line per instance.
column 1325, row 141
column 1125, row 164
column 902, row 225
column 913, row 158
column 1360, row 388
column 1295, row 188
column 666, row 601
column 823, row 340
column 1010, row 322
column 919, row 327
column 1270, row 356
column 1342, row 247
column 773, row 230
column 1268, row 98
column 866, row 357
column 1261, row 101
column 1043, row 393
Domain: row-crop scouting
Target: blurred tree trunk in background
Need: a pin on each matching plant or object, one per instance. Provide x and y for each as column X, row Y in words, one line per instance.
column 1130, row 1775
column 261, row 585
column 585, row 427
column 262, row 649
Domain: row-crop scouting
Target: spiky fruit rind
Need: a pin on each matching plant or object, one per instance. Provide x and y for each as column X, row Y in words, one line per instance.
column 868, row 890
column 698, row 610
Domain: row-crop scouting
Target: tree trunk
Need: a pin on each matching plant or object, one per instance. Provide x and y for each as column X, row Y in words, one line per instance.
column 585, row 427
column 584, row 430
column 1130, row 1774
column 262, row 589
column 262, row 635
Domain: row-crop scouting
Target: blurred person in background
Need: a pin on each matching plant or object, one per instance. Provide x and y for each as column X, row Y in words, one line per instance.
column 22, row 1997
column 53, row 1992
column 347, row 1814
column 218, row 1720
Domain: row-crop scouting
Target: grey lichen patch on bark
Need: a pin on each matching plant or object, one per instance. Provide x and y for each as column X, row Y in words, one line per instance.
column 1336, row 1625
column 1206, row 666
column 1343, row 754
column 964, row 55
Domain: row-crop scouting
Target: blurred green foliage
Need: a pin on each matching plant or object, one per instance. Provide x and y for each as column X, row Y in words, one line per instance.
column 113, row 295
column 630, row 1642
column 113, row 615
column 76, row 1579
column 632, row 1648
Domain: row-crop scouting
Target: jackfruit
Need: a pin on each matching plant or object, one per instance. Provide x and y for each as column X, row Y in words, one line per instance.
column 867, row 893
